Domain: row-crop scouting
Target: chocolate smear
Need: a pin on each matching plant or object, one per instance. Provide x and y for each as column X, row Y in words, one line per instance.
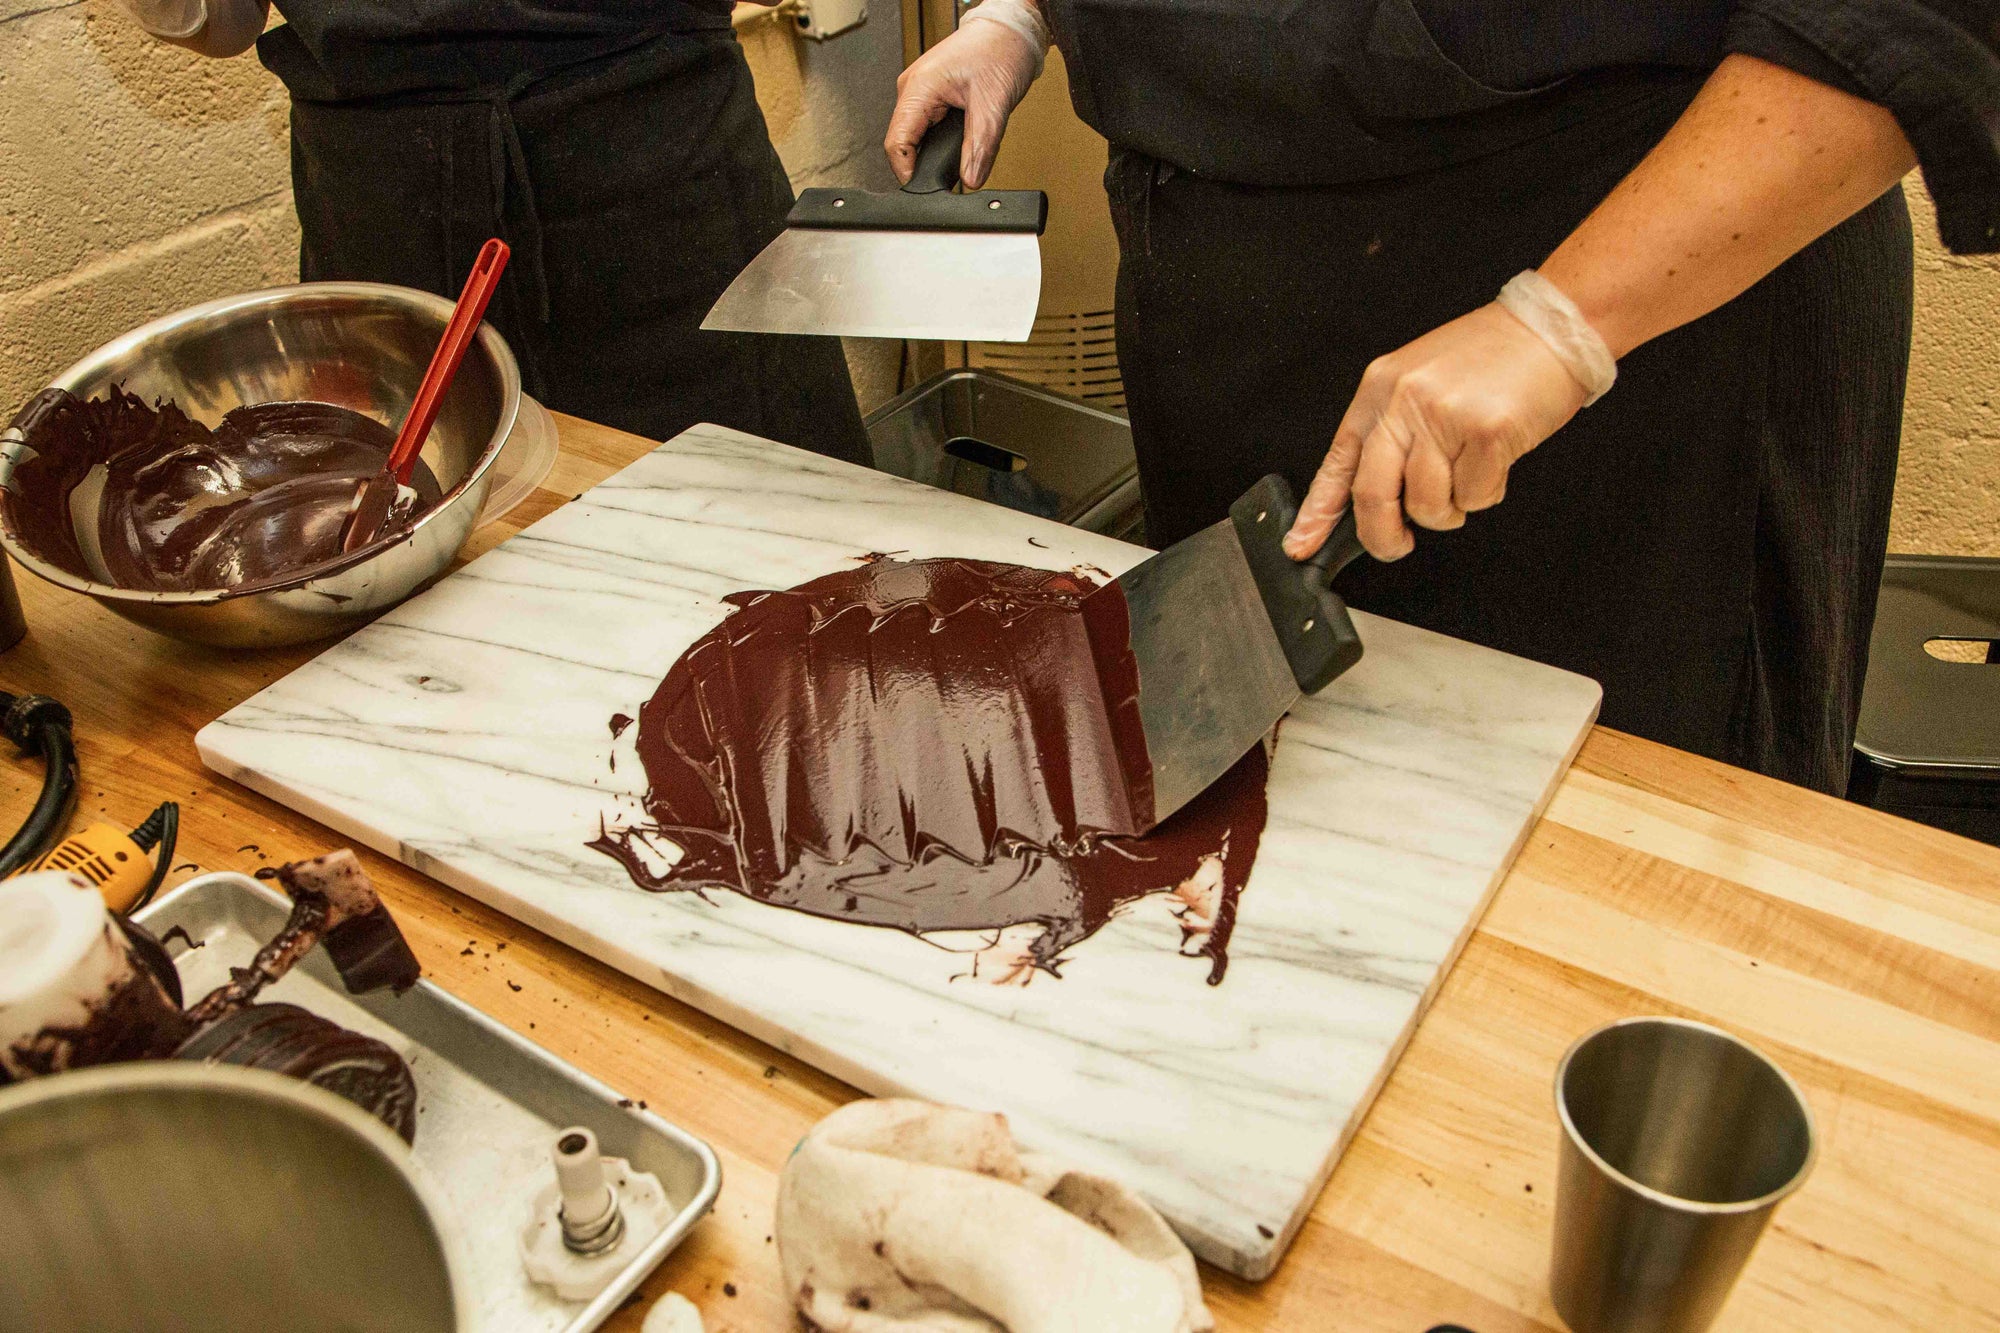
column 286, row 1039
column 362, row 939
column 260, row 499
column 333, row 903
column 135, row 1019
column 929, row 745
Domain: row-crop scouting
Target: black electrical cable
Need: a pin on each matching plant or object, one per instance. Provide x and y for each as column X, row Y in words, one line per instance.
column 40, row 725
column 162, row 829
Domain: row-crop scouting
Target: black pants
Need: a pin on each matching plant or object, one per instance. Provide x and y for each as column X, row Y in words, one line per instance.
column 632, row 189
column 1706, row 541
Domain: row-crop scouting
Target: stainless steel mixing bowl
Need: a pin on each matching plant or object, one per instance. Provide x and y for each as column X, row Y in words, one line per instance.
column 162, row 1196
column 362, row 345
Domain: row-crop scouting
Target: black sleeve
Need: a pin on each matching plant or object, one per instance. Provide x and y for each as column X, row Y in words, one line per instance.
column 1935, row 64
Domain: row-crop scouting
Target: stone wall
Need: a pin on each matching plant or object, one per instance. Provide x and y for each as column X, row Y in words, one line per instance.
column 1948, row 482
column 140, row 178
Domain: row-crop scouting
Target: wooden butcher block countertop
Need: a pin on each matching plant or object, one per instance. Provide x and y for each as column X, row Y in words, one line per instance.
column 1859, row 950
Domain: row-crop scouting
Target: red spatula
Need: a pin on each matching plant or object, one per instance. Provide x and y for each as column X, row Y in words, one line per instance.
column 377, row 495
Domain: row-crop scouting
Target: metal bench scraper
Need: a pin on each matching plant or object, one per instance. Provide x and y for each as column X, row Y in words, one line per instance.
column 920, row 262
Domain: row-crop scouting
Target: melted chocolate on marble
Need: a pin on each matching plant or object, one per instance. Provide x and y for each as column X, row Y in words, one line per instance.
column 261, row 499
column 926, row 745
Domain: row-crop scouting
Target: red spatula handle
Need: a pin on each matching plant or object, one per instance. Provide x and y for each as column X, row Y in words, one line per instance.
column 458, row 334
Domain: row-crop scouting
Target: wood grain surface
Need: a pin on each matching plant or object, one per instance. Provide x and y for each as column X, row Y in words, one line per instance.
column 1859, row 950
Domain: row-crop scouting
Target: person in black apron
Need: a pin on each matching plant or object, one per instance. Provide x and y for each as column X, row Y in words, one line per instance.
column 616, row 145
column 1316, row 205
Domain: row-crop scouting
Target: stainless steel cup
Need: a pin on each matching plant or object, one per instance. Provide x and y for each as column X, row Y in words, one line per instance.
column 362, row 345
column 1678, row 1142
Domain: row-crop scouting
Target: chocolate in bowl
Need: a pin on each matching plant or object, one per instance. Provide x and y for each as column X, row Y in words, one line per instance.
column 168, row 505
column 360, row 346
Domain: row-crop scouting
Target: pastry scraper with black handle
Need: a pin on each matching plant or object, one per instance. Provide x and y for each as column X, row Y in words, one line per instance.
column 1229, row 633
column 919, row 262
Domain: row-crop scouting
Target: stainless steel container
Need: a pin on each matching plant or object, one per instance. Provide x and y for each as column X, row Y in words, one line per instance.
column 356, row 344
column 1927, row 743
column 158, row 1197
column 492, row 1102
column 1678, row 1143
column 1009, row 443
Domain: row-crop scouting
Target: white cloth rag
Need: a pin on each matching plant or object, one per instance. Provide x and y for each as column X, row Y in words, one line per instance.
column 904, row 1217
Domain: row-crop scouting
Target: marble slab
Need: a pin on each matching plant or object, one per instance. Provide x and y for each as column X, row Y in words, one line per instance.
column 467, row 733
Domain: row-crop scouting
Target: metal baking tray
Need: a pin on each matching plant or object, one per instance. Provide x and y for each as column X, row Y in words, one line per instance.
column 488, row 1103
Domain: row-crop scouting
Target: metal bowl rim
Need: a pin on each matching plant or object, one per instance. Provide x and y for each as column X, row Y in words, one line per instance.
column 264, row 1086
column 489, row 339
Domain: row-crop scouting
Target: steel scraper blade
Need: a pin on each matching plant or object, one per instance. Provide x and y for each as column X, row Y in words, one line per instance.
column 921, row 262
column 970, row 286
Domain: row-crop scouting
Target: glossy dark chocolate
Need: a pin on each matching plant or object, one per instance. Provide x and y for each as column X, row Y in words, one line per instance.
column 333, row 894
column 286, row 1039
column 261, row 499
column 926, row 745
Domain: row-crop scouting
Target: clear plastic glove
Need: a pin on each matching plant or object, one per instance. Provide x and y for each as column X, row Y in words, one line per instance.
column 219, row 28
column 1433, row 431
column 172, row 19
column 986, row 67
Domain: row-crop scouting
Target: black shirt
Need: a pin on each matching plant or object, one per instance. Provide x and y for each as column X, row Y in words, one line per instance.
column 339, row 50
column 1284, row 92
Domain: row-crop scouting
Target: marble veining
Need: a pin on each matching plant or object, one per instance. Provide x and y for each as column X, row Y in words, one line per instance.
column 466, row 733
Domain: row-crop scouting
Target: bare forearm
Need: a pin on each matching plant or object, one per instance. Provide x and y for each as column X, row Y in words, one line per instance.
column 1761, row 164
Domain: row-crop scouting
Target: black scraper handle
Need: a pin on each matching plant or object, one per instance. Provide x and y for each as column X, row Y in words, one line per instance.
column 937, row 156
column 1313, row 626
column 927, row 203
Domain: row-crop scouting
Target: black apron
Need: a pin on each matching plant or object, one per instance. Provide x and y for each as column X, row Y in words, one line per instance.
column 1706, row 541
column 632, row 186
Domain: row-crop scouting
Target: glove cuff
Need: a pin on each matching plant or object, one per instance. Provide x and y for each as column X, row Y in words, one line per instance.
column 172, row 20
column 1019, row 16
column 1554, row 318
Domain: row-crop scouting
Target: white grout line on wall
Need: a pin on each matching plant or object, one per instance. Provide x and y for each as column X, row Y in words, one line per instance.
column 39, row 9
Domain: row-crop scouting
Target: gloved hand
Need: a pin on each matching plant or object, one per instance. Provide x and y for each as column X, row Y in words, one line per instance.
column 986, row 67
column 1433, row 430
column 171, row 19
column 219, row 28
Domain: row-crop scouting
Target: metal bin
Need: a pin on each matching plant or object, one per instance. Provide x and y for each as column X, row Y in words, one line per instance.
column 1013, row 444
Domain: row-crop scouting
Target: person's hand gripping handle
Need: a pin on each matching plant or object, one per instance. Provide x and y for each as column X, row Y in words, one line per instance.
column 1310, row 619
column 984, row 69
